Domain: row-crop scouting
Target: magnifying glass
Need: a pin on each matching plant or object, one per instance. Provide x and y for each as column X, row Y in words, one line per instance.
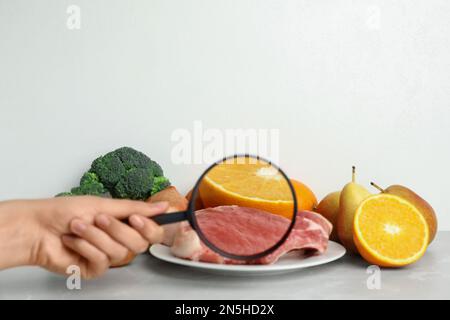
column 240, row 190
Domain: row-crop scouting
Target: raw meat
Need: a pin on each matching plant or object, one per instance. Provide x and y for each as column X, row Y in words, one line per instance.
column 245, row 231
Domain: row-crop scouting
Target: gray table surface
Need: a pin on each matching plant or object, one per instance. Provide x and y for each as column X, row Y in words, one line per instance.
column 149, row 278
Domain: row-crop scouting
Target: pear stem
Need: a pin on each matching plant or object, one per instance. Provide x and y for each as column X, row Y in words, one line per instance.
column 353, row 173
column 373, row 184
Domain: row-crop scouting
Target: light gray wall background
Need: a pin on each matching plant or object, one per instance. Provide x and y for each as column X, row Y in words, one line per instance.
column 346, row 82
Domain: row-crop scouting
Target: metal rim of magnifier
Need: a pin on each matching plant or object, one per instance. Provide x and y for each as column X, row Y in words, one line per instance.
column 193, row 220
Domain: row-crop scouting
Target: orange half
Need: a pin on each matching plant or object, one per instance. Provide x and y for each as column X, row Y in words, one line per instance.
column 389, row 231
column 247, row 182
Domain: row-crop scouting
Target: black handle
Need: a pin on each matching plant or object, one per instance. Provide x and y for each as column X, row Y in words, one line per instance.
column 167, row 218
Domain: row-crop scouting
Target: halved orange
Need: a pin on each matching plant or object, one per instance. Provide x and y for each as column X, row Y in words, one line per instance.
column 389, row 231
column 247, row 182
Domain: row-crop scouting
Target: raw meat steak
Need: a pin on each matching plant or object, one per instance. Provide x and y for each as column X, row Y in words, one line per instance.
column 245, row 231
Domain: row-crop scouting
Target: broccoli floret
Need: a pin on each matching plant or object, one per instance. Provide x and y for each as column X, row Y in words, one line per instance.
column 109, row 169
column 122, row 173
column 90, row 185
column 89, row 177
column 64, row 194
column 129, row 174
column 157, row 170
column 132, row 158
column 159, row 183
column 136, row 184
column 76, row 191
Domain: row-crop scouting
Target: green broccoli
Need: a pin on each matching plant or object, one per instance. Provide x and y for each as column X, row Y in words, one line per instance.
column 123, row 173
column 65, row 194
column 136, row 184
column 160, row 183
column 89, row 185
column 109, row 168
column 129, row 174
column 131, row 158
column 89, row 178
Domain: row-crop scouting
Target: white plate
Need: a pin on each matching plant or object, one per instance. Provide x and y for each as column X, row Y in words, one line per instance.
column 289, row 262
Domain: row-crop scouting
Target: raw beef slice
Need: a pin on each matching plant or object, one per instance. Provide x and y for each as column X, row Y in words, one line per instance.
column 245, row 231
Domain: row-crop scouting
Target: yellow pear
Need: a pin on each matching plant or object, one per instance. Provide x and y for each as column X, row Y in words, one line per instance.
column 351, row 197
column 329, row 208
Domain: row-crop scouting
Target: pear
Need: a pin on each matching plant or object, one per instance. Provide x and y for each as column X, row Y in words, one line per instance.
column 329, row 208
column 351, row 197
column 423, row 206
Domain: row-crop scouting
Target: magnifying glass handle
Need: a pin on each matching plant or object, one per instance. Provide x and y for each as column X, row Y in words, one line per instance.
column 167, row 218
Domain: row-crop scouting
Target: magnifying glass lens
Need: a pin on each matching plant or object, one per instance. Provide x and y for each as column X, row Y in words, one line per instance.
column 248, row 207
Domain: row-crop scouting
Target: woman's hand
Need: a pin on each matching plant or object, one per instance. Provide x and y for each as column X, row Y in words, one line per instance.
column 83, row 231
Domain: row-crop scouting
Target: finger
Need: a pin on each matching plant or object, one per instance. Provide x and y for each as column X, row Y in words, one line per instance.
column 122, row 233
column 97, row 261
column 122, row 209
column 148, row 229
column 115, row 251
